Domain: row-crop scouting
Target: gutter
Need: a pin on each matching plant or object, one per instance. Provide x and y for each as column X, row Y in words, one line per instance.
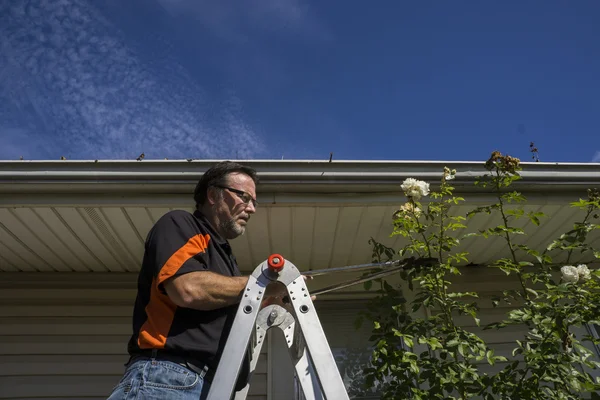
column 345, row 176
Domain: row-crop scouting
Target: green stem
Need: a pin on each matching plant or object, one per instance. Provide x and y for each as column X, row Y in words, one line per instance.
column 420, row 227
column 441, row 238
column 441, row 287
column 589, row 212
column 507, row 236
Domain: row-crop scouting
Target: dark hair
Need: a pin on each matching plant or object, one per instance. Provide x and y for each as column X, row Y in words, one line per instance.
column 217, row 176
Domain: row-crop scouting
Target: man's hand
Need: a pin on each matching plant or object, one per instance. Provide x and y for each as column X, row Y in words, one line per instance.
column 276, row 293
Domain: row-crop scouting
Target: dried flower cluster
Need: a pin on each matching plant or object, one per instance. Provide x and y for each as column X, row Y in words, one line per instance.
column 534, row 152
column 505, row 163
column 575, row 274
column 407, row 211
column 449, row 174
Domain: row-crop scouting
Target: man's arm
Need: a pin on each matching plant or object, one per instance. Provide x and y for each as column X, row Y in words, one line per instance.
column 205, row 290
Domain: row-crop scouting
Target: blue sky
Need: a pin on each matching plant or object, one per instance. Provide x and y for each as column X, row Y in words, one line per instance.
column 396, row 80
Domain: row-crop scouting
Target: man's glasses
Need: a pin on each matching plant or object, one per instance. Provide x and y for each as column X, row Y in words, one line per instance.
column 246, row 197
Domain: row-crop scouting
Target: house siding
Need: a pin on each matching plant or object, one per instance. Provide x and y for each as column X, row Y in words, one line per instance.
column 70, row 342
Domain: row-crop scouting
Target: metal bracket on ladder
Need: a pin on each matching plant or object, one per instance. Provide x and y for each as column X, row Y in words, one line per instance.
column 309, row 350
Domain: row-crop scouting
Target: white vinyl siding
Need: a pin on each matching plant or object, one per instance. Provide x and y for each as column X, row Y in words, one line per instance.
column 350, row 346
column 490, row 283
column 65, row 336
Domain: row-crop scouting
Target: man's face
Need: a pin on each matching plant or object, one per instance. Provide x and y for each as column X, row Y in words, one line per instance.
column 232, row 211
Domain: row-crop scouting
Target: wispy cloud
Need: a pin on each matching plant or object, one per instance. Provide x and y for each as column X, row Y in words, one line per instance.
column 241, row 21
column 596, row 157
column 243, row 32
column 69, row 83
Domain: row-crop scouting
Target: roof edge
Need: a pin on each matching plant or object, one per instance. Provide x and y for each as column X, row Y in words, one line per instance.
column 177, row 176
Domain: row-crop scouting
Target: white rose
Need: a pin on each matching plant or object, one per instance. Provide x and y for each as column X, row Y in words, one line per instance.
column 569, row 273
column 415, row 189
column 424, row 186
column 583, row 272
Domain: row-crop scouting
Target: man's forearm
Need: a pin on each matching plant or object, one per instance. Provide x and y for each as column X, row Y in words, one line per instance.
column 206, row 290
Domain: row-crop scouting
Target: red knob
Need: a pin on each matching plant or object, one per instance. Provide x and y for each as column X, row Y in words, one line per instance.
column 276, row 262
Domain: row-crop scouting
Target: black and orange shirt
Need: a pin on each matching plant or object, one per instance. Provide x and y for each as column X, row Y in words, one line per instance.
column 177, row 244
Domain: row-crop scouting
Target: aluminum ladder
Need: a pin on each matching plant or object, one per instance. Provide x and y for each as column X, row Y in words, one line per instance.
column 315, row 366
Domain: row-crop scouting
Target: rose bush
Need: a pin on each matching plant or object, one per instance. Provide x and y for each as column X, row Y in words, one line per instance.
column 421, row 352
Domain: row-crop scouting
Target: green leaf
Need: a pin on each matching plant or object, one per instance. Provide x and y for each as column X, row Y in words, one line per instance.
column 478, row 210
column 580, row 204
column 515, row 197
column 553, row 245
column 456, row 226
column 489, row 356
column 535, row 217
column 413, row 367
column 383, row 368
column 516, row 212
column 533, row 292
column 525, row 264
column 433, row 342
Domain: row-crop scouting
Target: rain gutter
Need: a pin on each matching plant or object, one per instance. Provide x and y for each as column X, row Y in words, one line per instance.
column 351, row 176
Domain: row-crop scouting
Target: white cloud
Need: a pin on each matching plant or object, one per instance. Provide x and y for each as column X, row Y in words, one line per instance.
column 66, row 72
column 596, row 157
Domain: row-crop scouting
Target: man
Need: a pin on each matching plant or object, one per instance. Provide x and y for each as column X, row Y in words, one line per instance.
column 189, row 288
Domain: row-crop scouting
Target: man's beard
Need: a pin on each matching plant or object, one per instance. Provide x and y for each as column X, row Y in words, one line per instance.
column 232, row 229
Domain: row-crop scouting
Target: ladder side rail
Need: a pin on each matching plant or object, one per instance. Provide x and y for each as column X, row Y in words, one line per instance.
column 258, row 341
column 305, row 372
column 235, row 349
column 260, row 334
column 316, row 342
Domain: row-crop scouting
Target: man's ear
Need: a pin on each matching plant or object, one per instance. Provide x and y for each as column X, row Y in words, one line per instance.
column 212, row 195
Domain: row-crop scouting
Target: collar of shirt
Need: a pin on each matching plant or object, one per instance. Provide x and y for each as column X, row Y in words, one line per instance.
column 222, row 243
column 212, row 231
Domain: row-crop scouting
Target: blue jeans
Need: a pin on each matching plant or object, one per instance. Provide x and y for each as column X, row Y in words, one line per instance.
column 157, row 379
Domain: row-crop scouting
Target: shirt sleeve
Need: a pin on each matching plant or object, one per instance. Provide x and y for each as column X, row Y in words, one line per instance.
column 176, row 246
